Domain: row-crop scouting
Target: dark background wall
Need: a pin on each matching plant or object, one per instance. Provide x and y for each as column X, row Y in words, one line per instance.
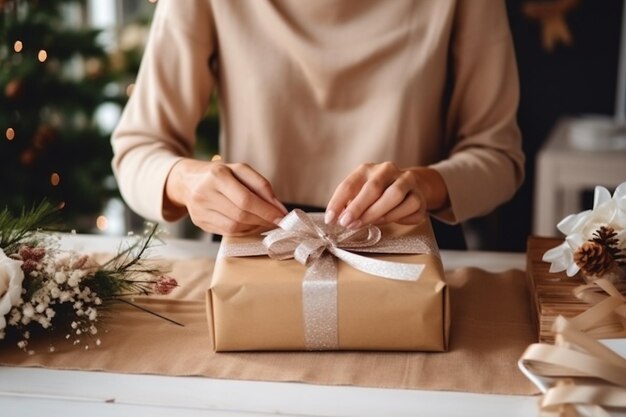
column 569, row 81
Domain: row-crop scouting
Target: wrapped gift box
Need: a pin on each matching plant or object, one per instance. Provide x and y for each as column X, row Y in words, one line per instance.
column 255, row 303
column 551, row 294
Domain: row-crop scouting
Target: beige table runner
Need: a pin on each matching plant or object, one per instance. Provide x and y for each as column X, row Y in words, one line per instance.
column 490, row 329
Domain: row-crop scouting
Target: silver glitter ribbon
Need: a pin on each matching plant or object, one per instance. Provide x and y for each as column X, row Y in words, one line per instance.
column 307, row 239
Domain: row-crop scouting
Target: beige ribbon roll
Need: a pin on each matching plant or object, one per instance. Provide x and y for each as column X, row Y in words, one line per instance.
column 578, row 375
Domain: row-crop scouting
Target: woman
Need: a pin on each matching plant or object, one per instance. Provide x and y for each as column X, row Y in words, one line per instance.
column 377, row 111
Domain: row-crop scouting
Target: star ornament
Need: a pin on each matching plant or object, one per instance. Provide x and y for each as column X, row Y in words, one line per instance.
column 551, row 16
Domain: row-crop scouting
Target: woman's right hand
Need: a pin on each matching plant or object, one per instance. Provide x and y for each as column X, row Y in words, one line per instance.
column 228, row 199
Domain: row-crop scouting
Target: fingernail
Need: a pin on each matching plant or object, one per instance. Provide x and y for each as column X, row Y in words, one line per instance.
column 345, row 219
column 329, row 217
column 280, row 205
column 277, row 221
column 355, row 225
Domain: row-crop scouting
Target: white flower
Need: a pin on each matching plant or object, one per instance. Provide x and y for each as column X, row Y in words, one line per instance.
column 55, row 292
column 60, row 277
column 11, row 277
column 607, row 211
column 28, row 310
column 75, row 278
column 92, row 313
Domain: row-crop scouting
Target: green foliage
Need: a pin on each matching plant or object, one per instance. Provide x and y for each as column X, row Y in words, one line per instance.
column 17, row 230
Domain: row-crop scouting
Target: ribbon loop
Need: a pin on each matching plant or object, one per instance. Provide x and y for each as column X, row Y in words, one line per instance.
column 578, row 373
column 308, row 251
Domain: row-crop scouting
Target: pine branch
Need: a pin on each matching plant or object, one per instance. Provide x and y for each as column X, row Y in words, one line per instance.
column 16, row 230
column 125, row 272
column 127, row 258
column 150, row 312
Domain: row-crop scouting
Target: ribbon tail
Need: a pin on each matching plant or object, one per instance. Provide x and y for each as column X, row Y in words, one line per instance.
column 385, row 269
column 319, row 303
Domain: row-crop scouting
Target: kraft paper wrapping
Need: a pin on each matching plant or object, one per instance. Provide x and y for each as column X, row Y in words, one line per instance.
column 255, row 303
column 490, row 330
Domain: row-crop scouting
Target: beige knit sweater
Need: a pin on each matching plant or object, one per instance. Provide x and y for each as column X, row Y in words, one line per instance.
column 311, row 89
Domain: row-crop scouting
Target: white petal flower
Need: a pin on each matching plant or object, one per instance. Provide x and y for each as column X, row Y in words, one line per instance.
column 28, row 310
column 60, row 277
column 73, row 281
column 92, row 313
column 11, row 278
column 608, row 211
column 55, row 292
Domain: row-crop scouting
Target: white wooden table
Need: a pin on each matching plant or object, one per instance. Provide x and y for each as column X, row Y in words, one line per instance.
column 48, row 393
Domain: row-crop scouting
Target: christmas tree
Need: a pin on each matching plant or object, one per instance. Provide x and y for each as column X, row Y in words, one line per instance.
column 55, row 75
column 53, row 78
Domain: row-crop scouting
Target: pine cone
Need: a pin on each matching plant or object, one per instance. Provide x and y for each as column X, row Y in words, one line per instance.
column 606, row 236
column 594, row 258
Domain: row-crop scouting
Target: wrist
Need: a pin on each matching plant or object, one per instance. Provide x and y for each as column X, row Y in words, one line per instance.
column 176, row 190
column 433, row 187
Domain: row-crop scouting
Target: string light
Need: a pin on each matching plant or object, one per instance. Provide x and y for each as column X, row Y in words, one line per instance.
column 10, row 133
column 42, row 55
column 216, row 157
column 129, row 89
column 55, row 179
column 61, row 205
column 102, row 223
column 18, row 46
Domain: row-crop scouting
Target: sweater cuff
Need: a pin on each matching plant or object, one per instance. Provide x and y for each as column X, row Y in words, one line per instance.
column 457, row 211
column 145, row 196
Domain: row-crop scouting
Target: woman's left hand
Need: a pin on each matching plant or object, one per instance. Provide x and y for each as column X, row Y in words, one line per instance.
column 384, row 193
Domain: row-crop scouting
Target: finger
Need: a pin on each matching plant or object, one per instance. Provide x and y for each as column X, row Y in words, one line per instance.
column 415, row 218
column 257, row 183
column 391, row 198
column 379, row 178
column 372, row 190
column 411, row 211
column 216, row 222
column 222, row 204
column 204, row 199
column 344, row 193
column 245, row 199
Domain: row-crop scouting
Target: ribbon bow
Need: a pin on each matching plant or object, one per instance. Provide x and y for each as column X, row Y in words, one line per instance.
column 578, row 375
column 307, row 239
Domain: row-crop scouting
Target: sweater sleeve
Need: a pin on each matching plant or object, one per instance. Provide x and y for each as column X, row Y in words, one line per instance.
column 170, row 96
column 486, row 162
